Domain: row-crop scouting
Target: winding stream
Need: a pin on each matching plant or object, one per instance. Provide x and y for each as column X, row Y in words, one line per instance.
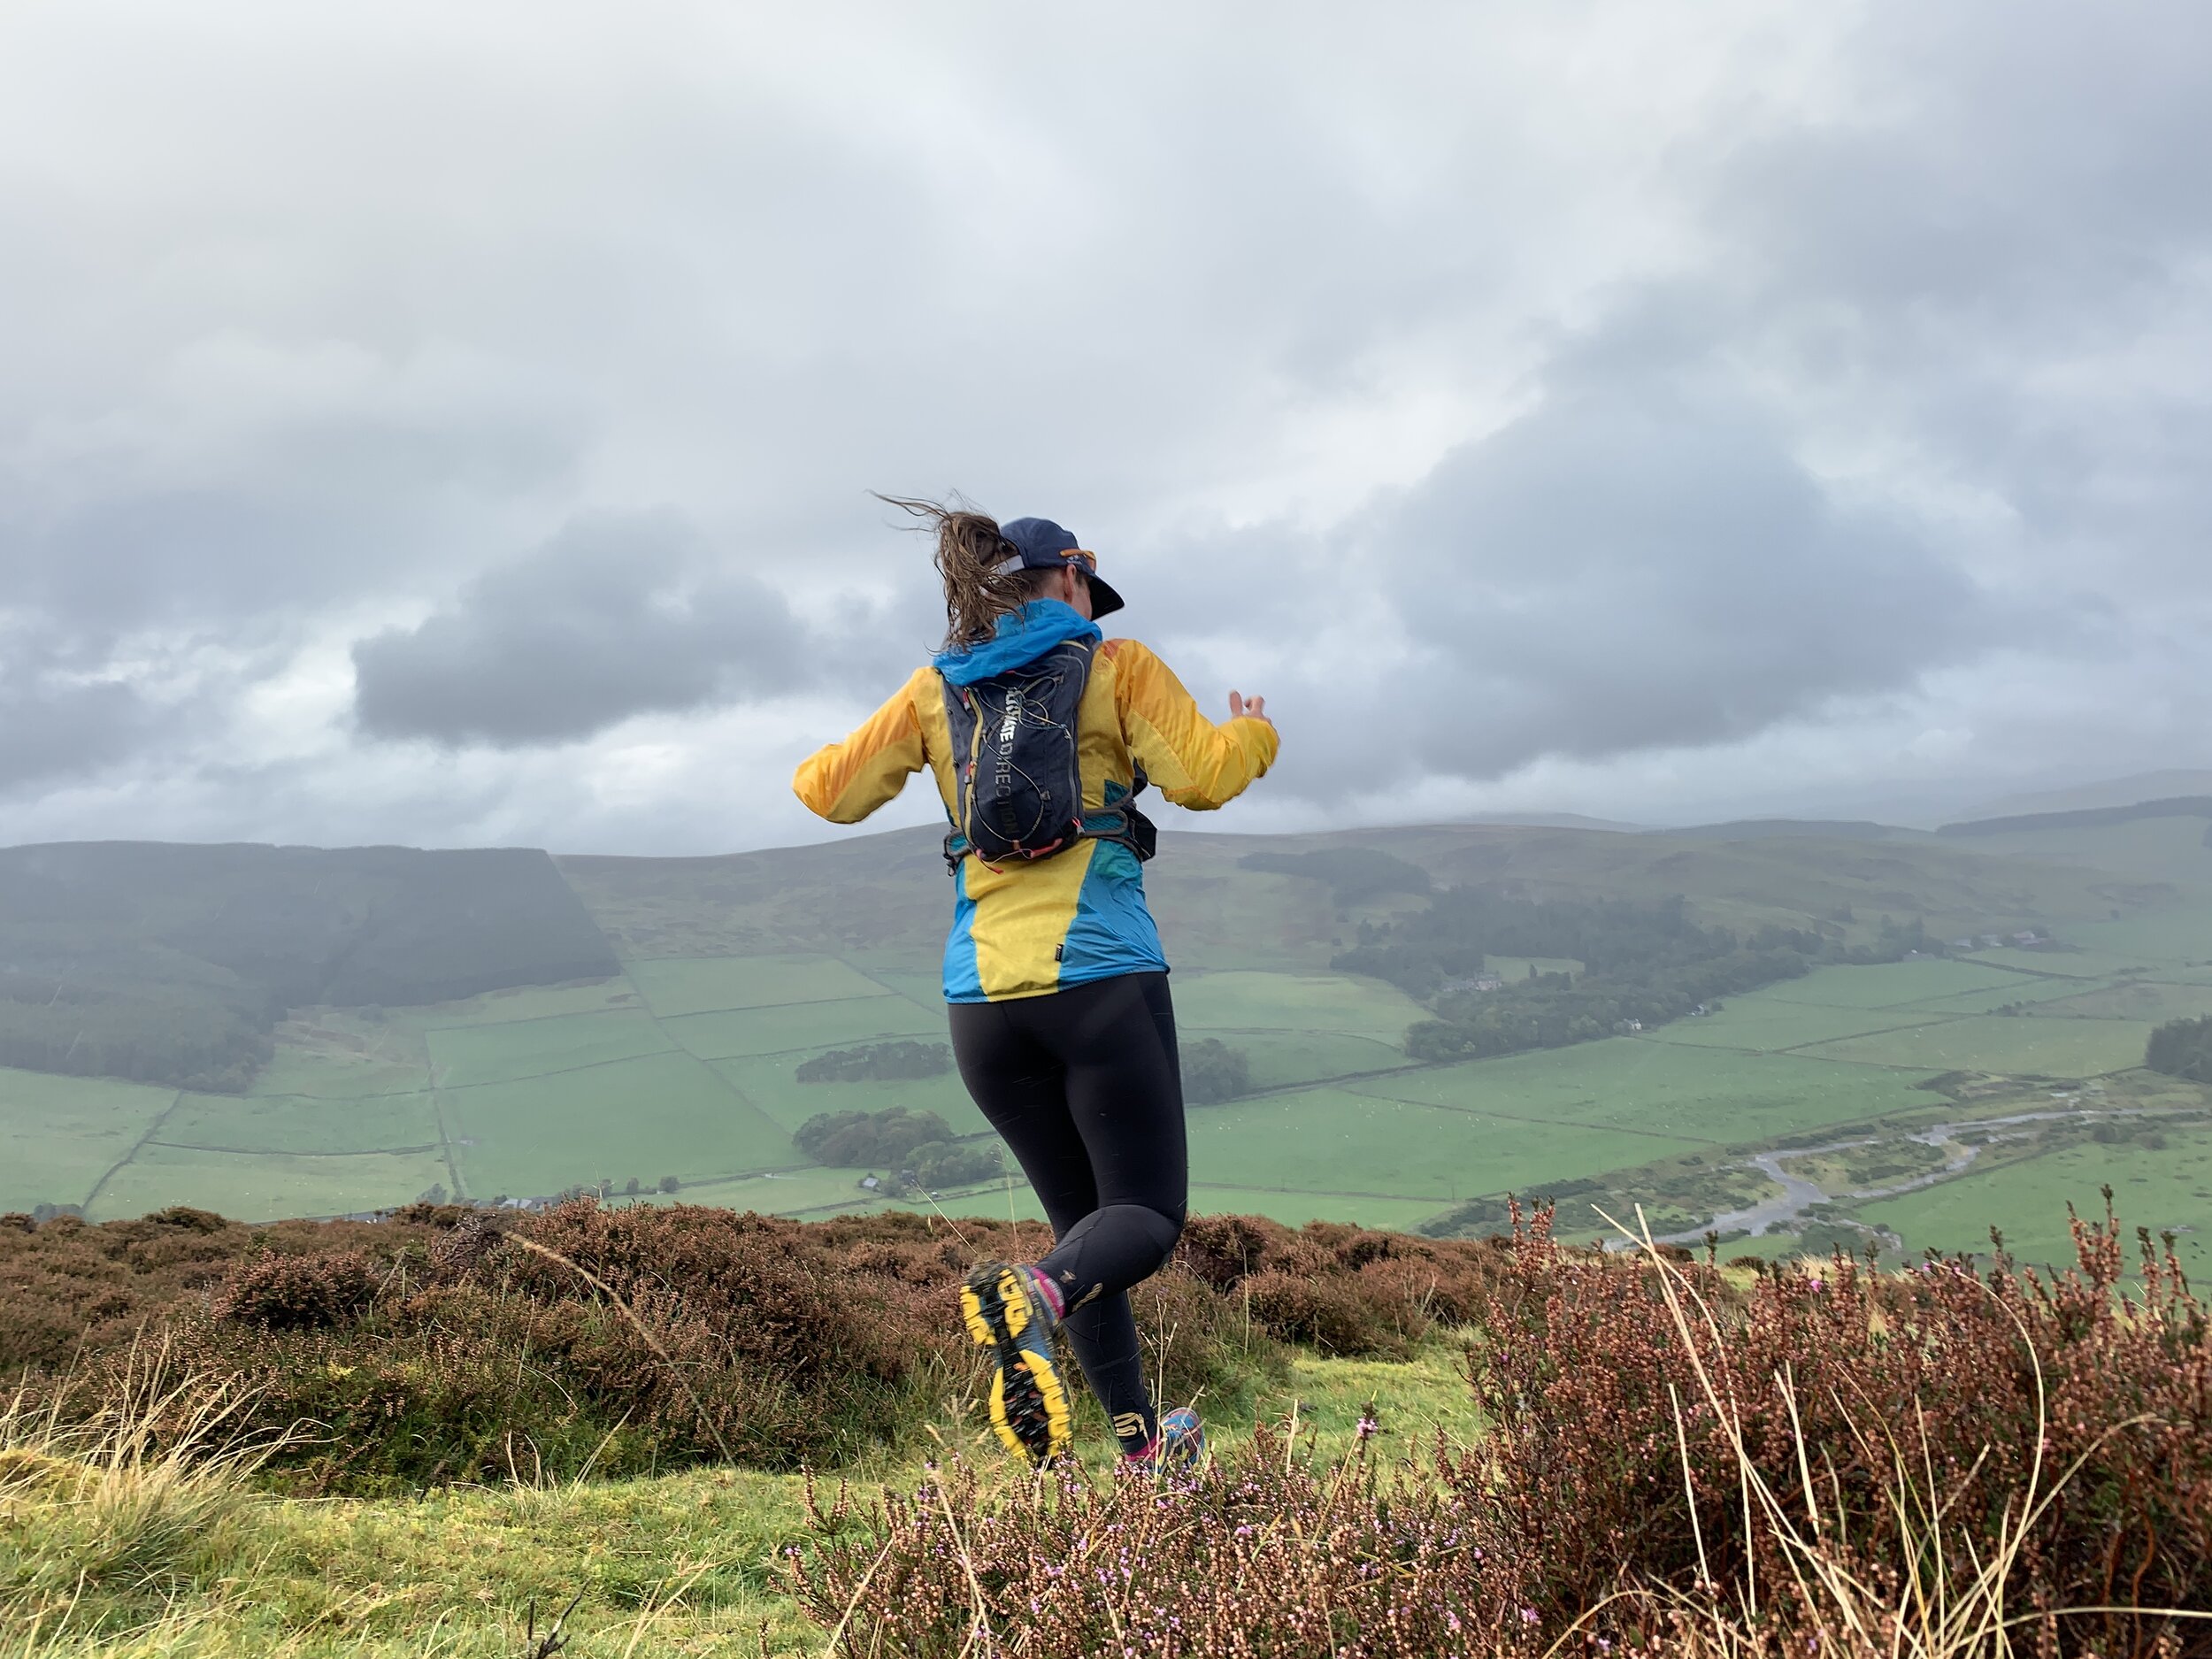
column 1799, row 1194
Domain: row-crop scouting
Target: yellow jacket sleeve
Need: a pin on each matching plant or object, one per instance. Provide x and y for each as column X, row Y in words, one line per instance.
column 844, row 782
column 1189, row 759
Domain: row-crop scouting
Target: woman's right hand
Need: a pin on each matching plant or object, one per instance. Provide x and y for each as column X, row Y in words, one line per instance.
column 1243, row 708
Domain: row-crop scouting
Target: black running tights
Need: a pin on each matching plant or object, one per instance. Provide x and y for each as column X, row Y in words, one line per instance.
column 1085, row 1085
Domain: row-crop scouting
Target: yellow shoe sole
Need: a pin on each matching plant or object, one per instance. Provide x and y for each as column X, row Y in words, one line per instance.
column 1028, row 1401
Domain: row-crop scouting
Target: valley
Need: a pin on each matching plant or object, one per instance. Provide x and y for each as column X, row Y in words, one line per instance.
column 1906, row 1104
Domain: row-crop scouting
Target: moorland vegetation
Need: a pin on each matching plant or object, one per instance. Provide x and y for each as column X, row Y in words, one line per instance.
column 1656, row 1454
column 1836, row 1461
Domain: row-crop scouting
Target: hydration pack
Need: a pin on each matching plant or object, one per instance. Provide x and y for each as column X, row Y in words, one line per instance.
column 1017, row 781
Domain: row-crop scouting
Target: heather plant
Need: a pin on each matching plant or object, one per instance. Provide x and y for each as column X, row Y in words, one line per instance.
column 452, row 1344
column 1836, row 1461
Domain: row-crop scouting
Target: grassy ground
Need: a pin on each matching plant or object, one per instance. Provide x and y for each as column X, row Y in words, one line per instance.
column 2048, row 1047
column 302, row 1123
column 683, row 1563
column 662, row 1114
column 1359, row 1145
column 263, row 1186
column 58, row 1135
column 2168, row 1186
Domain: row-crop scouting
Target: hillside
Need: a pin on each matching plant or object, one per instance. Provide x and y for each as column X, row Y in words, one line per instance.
column 658, row 1030
column 738, row 1434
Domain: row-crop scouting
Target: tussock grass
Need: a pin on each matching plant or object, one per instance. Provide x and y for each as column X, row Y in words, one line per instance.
column 690, row 1561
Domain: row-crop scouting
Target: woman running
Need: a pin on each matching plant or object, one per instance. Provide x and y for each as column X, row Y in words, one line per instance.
column 1055, row 981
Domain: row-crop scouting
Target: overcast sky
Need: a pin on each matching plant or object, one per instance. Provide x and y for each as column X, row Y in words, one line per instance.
column 453, row 425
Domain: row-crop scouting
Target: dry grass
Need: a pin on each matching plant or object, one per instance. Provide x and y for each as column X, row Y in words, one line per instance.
column 107, row 1512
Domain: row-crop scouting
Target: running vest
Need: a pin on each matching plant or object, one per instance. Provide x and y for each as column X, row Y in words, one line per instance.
column 1018, row 786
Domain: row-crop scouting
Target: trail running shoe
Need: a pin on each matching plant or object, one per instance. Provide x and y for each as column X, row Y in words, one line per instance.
column 1175, row 1450
column 1006, row 1308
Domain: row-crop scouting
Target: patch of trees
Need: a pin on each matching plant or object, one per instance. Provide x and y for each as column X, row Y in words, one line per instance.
column 941, row 1164
column 1616, row 939
column 171, row 965
column 1552, row 1010
column 1213, row 1071
column 1352, row 874
column 916, row 1146
column 883, row 1062
column 869, row 1140
column 2182, row 1048
column 1646, row 962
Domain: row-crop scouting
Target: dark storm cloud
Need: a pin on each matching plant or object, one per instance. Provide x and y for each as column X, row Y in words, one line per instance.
column 614, row 617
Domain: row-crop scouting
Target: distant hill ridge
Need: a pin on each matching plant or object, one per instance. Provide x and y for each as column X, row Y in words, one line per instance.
column 1763, row 828
column 171, row 964
column 2128, row 791
column 2085, row 818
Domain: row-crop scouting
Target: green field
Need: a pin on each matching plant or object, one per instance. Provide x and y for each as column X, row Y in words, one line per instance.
column 2020, row 993
column 1293, row 1001
column 1893, row 984
column 659, row 1115
column 704, row 986
column 266, row 1186
column 301, row 1123
column 1637, row 1090
column 2159, row 1189
column 1759, row 1023
column 462, row 1056
column 1988, row 1042
column 1344, row 1144
column 768, row 1082
column 528, row 1001
column 801, row 1027
column 2175, row 933
column 61, row 1134
column 2135, row 999
column 735, row 970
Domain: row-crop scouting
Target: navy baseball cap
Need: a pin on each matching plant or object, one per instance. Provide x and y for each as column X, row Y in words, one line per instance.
column 1044, row 546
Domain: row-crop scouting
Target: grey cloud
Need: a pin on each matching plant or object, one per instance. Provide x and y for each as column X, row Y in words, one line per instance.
column 55, row 725
column 253, row 388
column 1621, row 570
column 1603, row 577
column 614, row 617
column 2007, row 160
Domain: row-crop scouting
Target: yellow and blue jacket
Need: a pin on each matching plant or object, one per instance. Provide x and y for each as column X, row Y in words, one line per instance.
column 1026, row 929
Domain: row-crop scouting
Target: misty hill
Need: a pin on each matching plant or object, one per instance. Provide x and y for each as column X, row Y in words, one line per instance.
column 1818, row 829
column 2194, row 806
column 1237, row 901
column 172, row 964
column 2148, row 786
